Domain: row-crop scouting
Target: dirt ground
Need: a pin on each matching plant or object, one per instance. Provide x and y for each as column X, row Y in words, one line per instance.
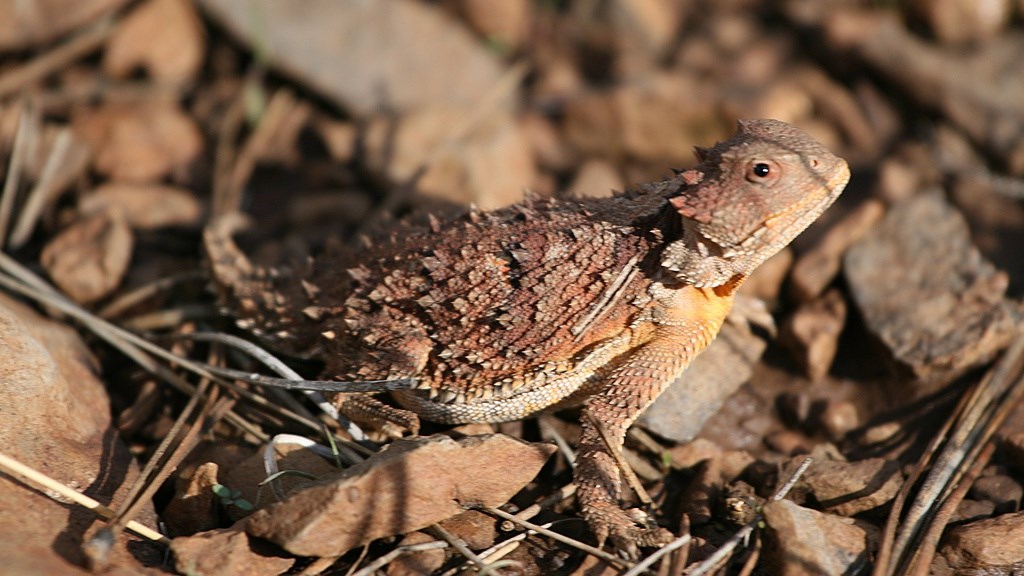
column 867, row 423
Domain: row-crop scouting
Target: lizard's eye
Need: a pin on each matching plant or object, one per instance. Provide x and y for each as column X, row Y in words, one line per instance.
column 763, row 172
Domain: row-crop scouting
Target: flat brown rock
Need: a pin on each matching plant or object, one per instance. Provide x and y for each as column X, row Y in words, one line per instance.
column 927, row 293
column 848, row 488
column 89, row 259
column 163, row 36
column 812, row 333
column 658, row 120
column 30, row 24
column 992, row 545
column 227, row 552
column 141, row 143
column 366, row 56
column 803, row 541
column 979, row 89
column 145, row 206
column 409, row 486
column 56, row 419
column 681, row 411
column 815, row 269
column 488, row 167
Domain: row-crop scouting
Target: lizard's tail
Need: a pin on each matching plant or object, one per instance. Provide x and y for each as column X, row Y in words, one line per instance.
column 268, row 302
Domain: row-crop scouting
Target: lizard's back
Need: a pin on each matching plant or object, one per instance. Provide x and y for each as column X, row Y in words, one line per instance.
column 482, row 306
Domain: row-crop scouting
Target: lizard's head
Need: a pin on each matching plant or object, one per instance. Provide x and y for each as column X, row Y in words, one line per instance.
column 750, row 196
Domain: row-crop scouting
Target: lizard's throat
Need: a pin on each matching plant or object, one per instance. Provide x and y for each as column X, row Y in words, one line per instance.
column 700, row 262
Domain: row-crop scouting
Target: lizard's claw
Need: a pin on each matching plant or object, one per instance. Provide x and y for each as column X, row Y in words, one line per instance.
column 629, row 539
column 628, row 530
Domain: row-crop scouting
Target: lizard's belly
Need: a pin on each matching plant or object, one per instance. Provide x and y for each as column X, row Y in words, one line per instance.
column 549, row 390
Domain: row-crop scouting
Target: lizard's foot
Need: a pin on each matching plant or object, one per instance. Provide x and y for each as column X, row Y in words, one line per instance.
column 628, row 530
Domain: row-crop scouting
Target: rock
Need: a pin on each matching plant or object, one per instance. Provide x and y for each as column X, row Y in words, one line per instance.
column 366, row 56
column 340, row 137
column 1003, row 491
column 785, row 100
column 794, row 408
column 801, row 541
column 658, row 121
column 690, row 454
column 701, row 498
column 141, row 143
column 680, row 412
column 963, row 21
column 972, row 510
column 165, row 37
column 897, row 180
column 145, row 206
column 56, row 419
column 702, row 493
column 506, row 24
column 227, row 552
column 476, row 529
column 1013, row 445
column 883, row 433
column 766, row 281
column 811, row 334
column 815, row 269
column 425, row 562
column 88, row 260
column 646, row 26
column 549, row 151
column 247, row 475
column 837, row 418
column 32, row 24
column 996, row 220
column 991, row 546
column 194, row 508
column 926, row 292
column 954, row 81
column 409, row 486
column 489, row 167
column 596, row 179
column 788, row 442
column 849, row 488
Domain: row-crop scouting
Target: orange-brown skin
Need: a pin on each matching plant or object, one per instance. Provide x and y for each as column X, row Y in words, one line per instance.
column 499, row 316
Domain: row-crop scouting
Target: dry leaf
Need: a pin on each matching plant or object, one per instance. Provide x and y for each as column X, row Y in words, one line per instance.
column 409, row 486
column 89, row 259
column 142, row 143
column 30, row 24
column 163, row 36
column 145, row 206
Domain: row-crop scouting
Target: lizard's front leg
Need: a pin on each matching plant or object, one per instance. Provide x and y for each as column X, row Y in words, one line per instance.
column 630, row 388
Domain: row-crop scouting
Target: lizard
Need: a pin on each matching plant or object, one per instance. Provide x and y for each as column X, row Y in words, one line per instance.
column 498, row 316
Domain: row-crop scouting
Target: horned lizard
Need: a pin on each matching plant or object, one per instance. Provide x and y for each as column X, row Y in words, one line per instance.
column 497, row 316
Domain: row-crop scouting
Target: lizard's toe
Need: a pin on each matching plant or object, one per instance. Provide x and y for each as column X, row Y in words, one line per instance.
column 628, row 531
column 629, row 539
